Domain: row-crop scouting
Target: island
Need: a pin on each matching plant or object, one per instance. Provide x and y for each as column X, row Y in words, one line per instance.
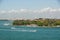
column 41, row 22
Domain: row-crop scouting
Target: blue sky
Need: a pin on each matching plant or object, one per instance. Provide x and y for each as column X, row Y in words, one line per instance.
column 30, row 4
column 7, row 6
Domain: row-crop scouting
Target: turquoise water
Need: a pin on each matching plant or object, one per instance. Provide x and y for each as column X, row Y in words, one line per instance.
column 9, row 32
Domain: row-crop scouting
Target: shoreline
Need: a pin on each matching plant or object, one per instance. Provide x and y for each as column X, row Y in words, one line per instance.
column 37, row 26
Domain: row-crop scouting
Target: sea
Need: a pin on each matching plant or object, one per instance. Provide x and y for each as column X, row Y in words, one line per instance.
column 10, row 32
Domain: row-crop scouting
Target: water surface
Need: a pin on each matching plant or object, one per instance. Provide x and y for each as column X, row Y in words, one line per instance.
column 9, row 32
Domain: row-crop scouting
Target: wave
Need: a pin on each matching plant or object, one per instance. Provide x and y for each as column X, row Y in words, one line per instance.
column 22, row 29
column 18, row 30
column 13, row 28
column 25, row 30
column 6, row 24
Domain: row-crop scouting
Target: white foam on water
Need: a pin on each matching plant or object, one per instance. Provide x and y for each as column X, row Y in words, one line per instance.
column 13, row 28
column 19, row 30
column 6, row 24
column 23, row 30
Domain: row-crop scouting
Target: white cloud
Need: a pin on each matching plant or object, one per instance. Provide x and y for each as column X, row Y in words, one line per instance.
column 3, row 11
column 45, row 12
column 49, row 10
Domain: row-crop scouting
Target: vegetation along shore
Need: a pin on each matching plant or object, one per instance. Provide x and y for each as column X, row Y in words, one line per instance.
column 39, row 22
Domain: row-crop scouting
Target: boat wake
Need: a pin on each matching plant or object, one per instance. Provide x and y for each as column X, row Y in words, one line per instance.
column 18, row 30
column 6, row 24
column 24, row 30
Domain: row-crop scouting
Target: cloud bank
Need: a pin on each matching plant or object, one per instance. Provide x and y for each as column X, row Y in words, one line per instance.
column 27, row 13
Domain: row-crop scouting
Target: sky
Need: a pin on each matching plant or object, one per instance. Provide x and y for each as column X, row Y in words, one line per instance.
column 30, row 9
